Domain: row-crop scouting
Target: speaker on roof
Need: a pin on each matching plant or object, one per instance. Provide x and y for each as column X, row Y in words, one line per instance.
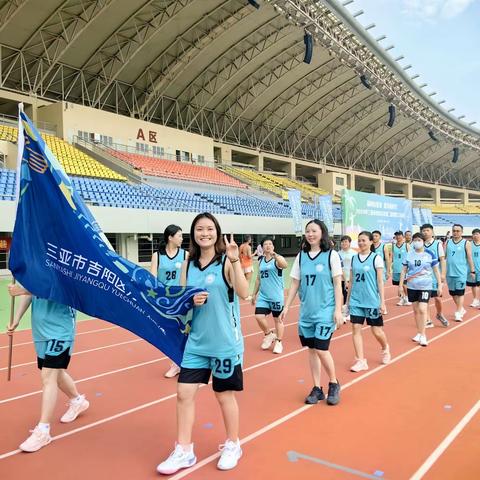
column 365, row 81
column 391, row 115
column 432, row 136
column 308, row 40
column 254, row 3
column 456, row 154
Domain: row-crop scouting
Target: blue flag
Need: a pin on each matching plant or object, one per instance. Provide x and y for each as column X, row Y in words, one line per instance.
column 295, row 199
column 59, row 253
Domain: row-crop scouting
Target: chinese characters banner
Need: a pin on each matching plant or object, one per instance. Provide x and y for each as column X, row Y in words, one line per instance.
column 58, row 252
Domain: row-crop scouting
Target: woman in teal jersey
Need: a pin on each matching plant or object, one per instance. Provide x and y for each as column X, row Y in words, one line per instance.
column 399, row 251
column 53, row 332
column 317, row 277
column 459, row 268
column 366, row 300
column 215, row 342
column 475, row 283
column 268, row 295
column 166, row 265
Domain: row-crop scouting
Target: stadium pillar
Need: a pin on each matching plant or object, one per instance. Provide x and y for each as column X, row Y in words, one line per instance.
column 260, row 162
column 437, row 195
column 409, row 190
column 292, row 169
column 225, row 155
column 382, row 186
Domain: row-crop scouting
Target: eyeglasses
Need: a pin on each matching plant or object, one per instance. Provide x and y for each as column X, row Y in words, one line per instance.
column 456, row 231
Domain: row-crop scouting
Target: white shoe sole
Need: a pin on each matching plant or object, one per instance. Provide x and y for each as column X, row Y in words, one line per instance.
column 175, row 470
column 232, row 467
column 36, row 449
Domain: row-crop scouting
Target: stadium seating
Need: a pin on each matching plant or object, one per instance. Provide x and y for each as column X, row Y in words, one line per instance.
column 73, row 160
column 177, row 170
column 7, row 184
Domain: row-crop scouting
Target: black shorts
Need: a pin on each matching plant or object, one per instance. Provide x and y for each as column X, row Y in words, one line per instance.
column 55, row 361
column 316, row 343
column 344, row 292
column 457, row 293
column 267, row 311
column 434, row 294
column 422, row 296
column 473, row 284
column 372, row 322
column 202, row 375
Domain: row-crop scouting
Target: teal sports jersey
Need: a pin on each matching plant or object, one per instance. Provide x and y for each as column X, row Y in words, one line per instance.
column 457, row 265
column 169, row 268
column 434, row 248
column 476, row 262
column 316, row 290
column 364, row 283
column 380, row 250
column 271, row 281
column 215, row 327
column 52, row 320
column 420, row 269
column 399, row 254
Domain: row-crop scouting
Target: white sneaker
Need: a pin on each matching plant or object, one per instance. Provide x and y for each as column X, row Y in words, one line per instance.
column 401, row 302
column 407, row 303
column 267, row 341
column 278, row 347
column 75, row 408
column 359, row 365
column 423, row 341
column 463, row 311
column 36, row 440
column 178, row 459
column 231, row 453
column 458, row 316
column 429, row 324
column 475, row 303
column 417, row 337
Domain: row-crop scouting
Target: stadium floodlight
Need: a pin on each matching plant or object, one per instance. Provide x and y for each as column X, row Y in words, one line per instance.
column 254, row 3
column 406, row 67
column 461, row 116
column 369, row 27
column 401, row 57
column 451, row 110
column 357, row 14
column 423, row 85
column 415, row 76
column 347, row 2
column 389, row 47
column 472, row 123
column 441, row 101
column 432, row 94
column 432, row 136
column 380, row 38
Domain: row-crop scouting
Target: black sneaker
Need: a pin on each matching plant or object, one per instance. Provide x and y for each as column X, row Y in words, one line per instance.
column 315, row 396
column 333, row 396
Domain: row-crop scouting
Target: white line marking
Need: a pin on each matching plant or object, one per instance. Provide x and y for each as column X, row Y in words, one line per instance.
column 445, row 443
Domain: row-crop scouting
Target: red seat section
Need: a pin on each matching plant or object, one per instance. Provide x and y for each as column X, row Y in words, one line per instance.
column 178, row 170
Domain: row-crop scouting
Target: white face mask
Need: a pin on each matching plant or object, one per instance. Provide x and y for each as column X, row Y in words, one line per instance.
column 417, row 245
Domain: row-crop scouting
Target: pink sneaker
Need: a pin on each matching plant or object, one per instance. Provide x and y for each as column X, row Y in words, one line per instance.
column 359, row 365
column 75, row 408
column 36, row 440
column 173, row 371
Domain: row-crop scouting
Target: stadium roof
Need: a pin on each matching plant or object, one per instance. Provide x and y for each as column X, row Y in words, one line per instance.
column 228, row 70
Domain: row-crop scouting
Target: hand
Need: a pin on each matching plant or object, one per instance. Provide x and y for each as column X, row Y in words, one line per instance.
column 231, row 248
column 439, row 290
column 14, row 290
column 338, row 317
column 472, row 275
column 347, row 285
column 254, row 299
column 383, row 309
column 389, row 274
column 400, row 291
column 200, row 298
column 11, row 328
column 283, row 314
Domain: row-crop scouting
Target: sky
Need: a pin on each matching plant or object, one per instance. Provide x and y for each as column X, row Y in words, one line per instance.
column 440, row 39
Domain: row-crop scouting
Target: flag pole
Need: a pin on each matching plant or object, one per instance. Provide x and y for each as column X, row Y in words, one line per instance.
column 20, row 145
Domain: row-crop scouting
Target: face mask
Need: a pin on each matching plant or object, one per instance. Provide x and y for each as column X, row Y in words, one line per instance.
column 417, row 245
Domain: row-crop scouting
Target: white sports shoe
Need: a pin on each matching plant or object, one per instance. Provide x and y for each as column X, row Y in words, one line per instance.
column 359, row 365
column 423, row 341
column 231, row 453
column 178, row 459
column 401, row 302
column 267, row 341
column 75, row 408
column 407, row 303
column 475, row 303
column 278, row 347
column 463, row 311
column 458, row 316
column 417, row 337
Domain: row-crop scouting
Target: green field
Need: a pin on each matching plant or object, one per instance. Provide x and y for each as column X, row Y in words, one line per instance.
column 25, row 323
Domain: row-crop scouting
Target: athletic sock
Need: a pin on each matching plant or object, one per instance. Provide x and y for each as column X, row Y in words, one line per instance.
column 44, row 427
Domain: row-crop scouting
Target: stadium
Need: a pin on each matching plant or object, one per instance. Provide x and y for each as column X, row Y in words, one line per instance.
column 160, row 110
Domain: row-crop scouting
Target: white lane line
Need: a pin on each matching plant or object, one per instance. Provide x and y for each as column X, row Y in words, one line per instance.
column 302, row 409
column 435, row 455
column 252, row 367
